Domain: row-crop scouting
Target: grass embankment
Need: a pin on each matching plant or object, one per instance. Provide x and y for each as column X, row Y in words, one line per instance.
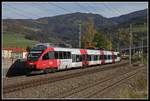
column 137, row 58
column 16, row 40
column 136, row 89
column 140, row 28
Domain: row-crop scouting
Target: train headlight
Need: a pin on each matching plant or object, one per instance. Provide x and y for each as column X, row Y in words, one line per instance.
column 50, row 63
column 31, row 63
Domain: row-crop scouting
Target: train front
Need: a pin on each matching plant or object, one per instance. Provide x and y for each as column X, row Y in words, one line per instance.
column 33, row 57
column 32, row 60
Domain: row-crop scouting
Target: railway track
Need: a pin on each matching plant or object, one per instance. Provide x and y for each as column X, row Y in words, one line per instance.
column 33, row 83
column 105, row 83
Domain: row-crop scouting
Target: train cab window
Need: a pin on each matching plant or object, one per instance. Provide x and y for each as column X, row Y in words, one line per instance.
column 46, row 56
column 33, row 56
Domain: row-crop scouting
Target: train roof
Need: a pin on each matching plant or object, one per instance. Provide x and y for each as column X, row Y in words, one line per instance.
column 43, row 46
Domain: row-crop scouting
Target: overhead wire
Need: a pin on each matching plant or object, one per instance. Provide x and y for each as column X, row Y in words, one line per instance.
column 82, row 7
column 17, row 12
column 113, row 11
column 60, row 7
column 20, row 11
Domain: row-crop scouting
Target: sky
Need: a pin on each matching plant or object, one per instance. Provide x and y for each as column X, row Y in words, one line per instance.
column 35, row 10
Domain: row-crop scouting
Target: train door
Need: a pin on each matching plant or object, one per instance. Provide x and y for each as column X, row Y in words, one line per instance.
column 102, row 58
column 84, row 60
column 84, row 57
column 45, row 61
column 113, row 57
column 64, row 60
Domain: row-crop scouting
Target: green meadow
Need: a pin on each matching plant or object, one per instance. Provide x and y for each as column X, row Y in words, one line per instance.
column 16, row 40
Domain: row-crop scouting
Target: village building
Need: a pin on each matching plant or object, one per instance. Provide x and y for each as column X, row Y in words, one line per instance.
column 16, row 53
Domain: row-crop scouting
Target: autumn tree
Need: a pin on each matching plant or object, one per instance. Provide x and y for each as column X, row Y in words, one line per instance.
column 101, row 41
column 92, row 39
column 123, row 36
column 88, row 35
column 28, row 48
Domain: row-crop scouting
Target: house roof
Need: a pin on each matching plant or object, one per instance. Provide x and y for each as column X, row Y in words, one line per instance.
column 15, row 49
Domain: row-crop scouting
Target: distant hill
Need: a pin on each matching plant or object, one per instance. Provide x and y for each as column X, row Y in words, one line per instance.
column 65, row 28
column 131, row 16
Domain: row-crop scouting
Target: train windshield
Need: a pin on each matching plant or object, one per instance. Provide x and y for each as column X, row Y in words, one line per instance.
column 34, row 55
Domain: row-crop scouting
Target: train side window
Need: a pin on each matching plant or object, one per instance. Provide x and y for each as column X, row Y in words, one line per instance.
column 83, row 57
column 97, row 56
column 77, row 58
column 88, row 57
column 80, row 58
column 46, row 56
column 69, row 55
column 101, row 57
column 56, row 54
column 118, row 55
column 105, row 57
column 51, row 55
column 115, row 56
column 94, row 57
column 65, row 55
column 61, row 55
column 73, row 58
column 110, row 57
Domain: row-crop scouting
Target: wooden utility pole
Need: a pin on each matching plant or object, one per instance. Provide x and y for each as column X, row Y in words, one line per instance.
column 119, row 40
column 110, row 41
column 130, row 44
column 142, row 50
column 79, row 34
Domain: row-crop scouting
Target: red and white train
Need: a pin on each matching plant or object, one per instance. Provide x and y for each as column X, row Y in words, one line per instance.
column 44, row 57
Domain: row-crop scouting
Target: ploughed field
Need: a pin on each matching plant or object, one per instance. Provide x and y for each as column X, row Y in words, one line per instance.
column 95, row 82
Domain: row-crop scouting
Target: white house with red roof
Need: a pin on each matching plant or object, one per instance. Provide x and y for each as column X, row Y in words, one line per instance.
column 18, row 53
